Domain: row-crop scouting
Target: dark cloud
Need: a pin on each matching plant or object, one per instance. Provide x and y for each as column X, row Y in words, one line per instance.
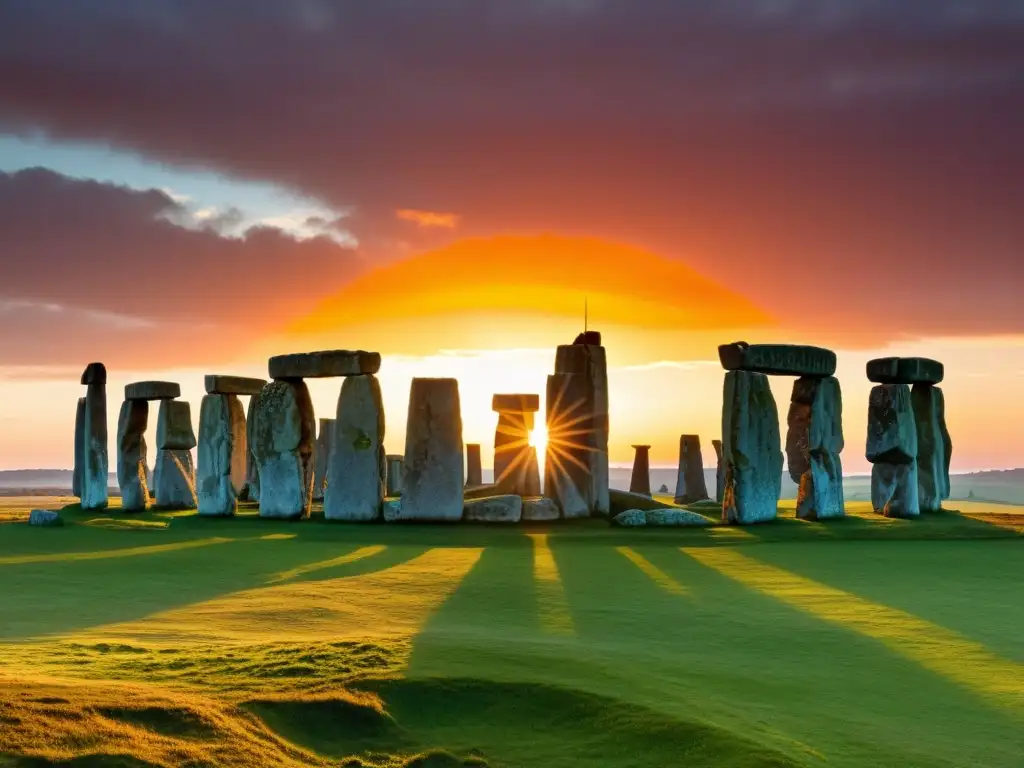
column 847, row 163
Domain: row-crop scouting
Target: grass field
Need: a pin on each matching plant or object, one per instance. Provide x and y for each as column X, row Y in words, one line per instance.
column 172, row 640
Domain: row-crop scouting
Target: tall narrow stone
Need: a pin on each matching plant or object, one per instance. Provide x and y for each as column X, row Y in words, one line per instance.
column 474, row 470
column 751, row 449
column 690, row 483
column 322, row 458
column 175, row 475
column 433, row 474
column 531, row 476
column 357, row 459
column 284, row 430
column 223, row 452
column 589, row 359
column 719, row 471
column 76, row 477
column 892, row 448
column 567, row 466
column 813, row 444
column 513, row 471
column 131, row 455
column 396, row 465
column 95, row 479
column 640, row 482
column 933, row 446
column 252, row 475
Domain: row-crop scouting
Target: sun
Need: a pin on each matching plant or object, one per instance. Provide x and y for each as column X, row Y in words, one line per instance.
column 539, row 438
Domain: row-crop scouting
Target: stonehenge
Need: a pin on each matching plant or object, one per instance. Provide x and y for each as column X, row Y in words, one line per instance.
column 251, row 492
column 813, row 443
column 474, row 469
column 322, row 457
column 131, row 455
column 282, row 445
column 690, row 483
column 356, row 463
column 175, row 474
column 395, row 467
column 640, row 481
column 719, row 471
column 568, row 477
column 223, row 444
column 515, row 460
column 76, row 476
column 91, row 434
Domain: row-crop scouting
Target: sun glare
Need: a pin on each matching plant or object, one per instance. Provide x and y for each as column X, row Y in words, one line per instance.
column 539, row 438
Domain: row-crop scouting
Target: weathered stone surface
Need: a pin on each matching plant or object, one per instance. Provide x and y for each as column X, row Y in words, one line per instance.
column 495, row 509
column 45, row 517
column 252, row 475
column 474, row 468
column 690, row 483
column 512, row 451
column 357, row 460
column 820, row 495
column 567, row 467
column 94, row 373
column 223, row 454
column 751, row 449
column 631, row 518
column 131, row 455
column 233, row 385
column 322, row 458
column 675, row 518
column 392, row 510
column 640, row 480
column 76, row 477
column 813, row 444
column 892, row 434
column 531, row 474
column 95, row 460
column 175, row 478
column 894, row 490
column 624, row 500
column 777, row 359
column 905, row 370
column 326, row 364
column 152, row 390
column 539, row 509
column 284, row 429
column 433, row 452
column 395, row 468
column 481, row 491
column 515, row 403
column 719, row 472
column 933, row 450
column 174, row 426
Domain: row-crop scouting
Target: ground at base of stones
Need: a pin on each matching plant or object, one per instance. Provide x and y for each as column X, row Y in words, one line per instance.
column 166, row 639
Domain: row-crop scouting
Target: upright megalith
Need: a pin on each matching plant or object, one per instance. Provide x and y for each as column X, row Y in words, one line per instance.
column 934, row 447
column 396, row 467
column 252, row 475
column 357, row 463
column 322, row 458
column 131, row 455
column 223, row 444
column 813, row 444
column 433, row 474
column 751, row 449
column 586, row 357
column 719, row 471
column 474, row 469
column 95, row 461
column 690, row 483
column 567, row 466
column 76, row 477
column 514, row 472
column 640, row 481
column 175, row 474
column 283, row 433
column 892, row 450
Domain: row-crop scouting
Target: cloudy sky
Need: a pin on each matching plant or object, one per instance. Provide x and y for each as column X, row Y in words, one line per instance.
column 187, row 186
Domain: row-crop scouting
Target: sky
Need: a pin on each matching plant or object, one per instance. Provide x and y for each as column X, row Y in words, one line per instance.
column 188, row 187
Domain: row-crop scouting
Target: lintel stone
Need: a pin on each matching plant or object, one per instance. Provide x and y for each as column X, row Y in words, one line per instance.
column 233, row 385
column 325, row 364
column 905, row 370
column 778, row 359
column 152, row 390
column 515, row 403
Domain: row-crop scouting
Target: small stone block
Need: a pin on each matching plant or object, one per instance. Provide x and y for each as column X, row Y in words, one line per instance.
column 778, row 359
column 324, row 365
column 515, row 403
column 95, row 373
column 44, row 517
column 233, row 385
column 152, row 390
column 905, row 370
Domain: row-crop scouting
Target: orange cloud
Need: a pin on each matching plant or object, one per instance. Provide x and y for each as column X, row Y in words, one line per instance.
column 428, row 218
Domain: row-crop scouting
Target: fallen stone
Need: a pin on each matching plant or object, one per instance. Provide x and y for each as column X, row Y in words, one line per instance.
column 813, row 444
column 631, row 518
column 284, row 429
column 675, row 518
column 433, row 452
column 131, row 455
column 45, row 517
column 152, row 390
column 322, row 458
column 567, row 468
column 76, row 477
column 356, row 467
column 326, row 364
column 395, row 467
column 481, row 491
column 95, row 479
column 94, row 373
column 892, row 433
column 894, row 489
column 223, row 452
column 719, row 471
column 640, row 481
column 932, row 450
column 778, row 359
column 622, row 501
column 233, row 385
column 540, row 509
column 751, row 449
column 175, row 479
column 252, row 475
column 905, row 370
column 392, row 510
column 496, row 509
column 690, row 483
column 474, row 469
column 174, row 426
column 516, row 403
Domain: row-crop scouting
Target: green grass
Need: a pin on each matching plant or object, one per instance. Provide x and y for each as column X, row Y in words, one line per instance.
column 164, row 639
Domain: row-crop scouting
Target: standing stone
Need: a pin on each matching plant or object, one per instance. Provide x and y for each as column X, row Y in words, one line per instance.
column 223, row 451
column 892, row 447
column 252, row 475
column 531, row 475
column 175, row 473
column 640, row 482
column 719, row 471
column 933, row 446
column 396, row 466
column 357, row 460
column 76, row 477
column 284, row 428
column 322, row 458
column 95, row 480
column 433, row 452
column 131, row 455
column 751, row 449
column 813, row 444
column 567, row 466
column 690, row 483
column 513, row 471
column 474, row 470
